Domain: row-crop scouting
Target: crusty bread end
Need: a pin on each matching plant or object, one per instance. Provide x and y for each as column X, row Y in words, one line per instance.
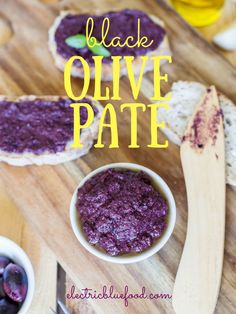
column 185, row 97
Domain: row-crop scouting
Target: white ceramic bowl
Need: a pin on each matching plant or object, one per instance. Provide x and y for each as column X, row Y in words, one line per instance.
column 17, row 255
column 126, row 258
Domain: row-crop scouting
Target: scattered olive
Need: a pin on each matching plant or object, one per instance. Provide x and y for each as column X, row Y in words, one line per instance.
column 8, row 307
column 15, row 282
column 4, row 261
column 2, row 292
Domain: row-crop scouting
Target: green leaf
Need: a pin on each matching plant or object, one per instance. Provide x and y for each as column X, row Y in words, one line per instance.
column 100, row 50
column 77, row 41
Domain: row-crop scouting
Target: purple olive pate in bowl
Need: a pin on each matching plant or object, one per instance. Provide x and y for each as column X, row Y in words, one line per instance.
column 123, row 212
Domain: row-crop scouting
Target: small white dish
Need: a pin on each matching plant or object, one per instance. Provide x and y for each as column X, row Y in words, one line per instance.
column 11, row 250
column 126, row 258
column 227, row 38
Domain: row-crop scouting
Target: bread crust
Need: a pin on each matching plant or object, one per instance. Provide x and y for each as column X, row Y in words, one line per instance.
column 107, row 74
column 88, row 136
column 175, row 134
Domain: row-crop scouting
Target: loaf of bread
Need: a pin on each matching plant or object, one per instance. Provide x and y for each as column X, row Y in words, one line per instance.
column 185, row 96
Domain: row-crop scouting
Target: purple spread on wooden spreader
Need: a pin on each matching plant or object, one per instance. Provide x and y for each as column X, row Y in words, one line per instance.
column 123, row 24
column 121, row 211
column 205, row 125
column 37, row 126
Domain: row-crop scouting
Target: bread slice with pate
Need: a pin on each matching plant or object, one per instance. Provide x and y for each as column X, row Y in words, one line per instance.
column 184, row 98
column 39, row 129
column 123, row 24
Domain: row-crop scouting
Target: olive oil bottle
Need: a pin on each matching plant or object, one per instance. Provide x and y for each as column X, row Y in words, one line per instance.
column 199, row 12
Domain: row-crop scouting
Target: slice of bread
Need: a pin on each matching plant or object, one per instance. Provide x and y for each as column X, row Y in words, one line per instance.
column 88, row 136
column 185, row 97
column 162, row 50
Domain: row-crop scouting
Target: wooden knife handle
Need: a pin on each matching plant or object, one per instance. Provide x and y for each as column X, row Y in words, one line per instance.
column 198, row 278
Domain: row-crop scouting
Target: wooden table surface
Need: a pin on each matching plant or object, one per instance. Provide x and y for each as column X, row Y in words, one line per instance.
column 14, row 226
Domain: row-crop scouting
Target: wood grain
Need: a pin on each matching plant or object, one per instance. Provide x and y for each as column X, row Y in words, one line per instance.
column 44, row 262
column 43, row 193
column 83, row 306
column 5, row 31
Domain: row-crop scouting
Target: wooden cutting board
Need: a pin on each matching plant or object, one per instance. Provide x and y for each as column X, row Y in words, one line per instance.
column 43, row 193
column 15, row 228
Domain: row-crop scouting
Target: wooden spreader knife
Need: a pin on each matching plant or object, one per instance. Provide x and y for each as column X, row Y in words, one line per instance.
column 198, row 277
